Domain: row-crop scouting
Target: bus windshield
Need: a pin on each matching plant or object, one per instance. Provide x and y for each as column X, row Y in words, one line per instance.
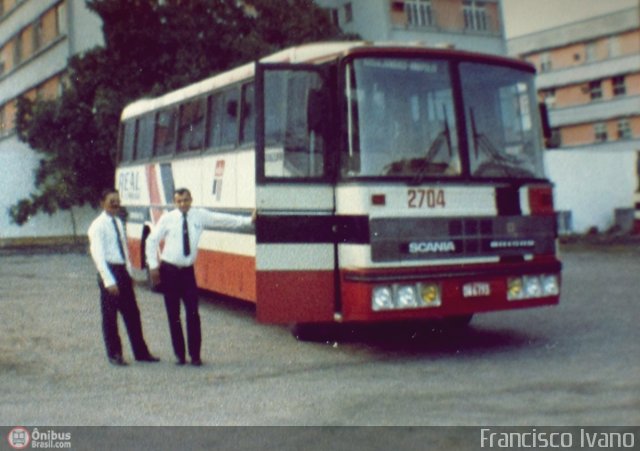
column 502, row 122
column 401, row 120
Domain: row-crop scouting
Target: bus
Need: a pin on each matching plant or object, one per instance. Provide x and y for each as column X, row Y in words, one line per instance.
column 392, row 183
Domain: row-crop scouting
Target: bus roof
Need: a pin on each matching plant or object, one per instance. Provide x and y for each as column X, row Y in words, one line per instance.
column 308, row 53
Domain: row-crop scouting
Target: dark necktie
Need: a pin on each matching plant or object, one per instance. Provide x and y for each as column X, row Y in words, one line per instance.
column 186, row 247
column 120, row 247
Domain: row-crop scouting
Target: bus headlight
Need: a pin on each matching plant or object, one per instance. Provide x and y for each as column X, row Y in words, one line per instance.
column 406, row 296
column 532, row 287
column 382, row 299
column 391, row 297
column 550, row 285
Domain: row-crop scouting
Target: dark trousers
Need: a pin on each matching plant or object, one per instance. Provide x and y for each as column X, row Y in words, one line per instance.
column 126, row 304
column 180, row 284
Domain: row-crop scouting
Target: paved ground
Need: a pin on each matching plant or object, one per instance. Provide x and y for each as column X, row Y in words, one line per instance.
column 576, row 364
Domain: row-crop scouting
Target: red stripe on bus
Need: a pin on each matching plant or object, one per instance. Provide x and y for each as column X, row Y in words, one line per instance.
column 229, row 274
column 295, row 296
column 154, row 192
column 134, row 247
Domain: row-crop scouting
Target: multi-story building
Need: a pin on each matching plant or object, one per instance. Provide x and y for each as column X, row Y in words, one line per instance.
column 36, row 39
column 589, row 78
column 475, row 25
column 38, row 36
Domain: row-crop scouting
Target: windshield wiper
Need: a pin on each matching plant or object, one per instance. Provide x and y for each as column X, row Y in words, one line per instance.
column 507, row 164
column 443, row 136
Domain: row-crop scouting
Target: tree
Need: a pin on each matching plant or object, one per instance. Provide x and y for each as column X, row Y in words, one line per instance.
column 151, row 46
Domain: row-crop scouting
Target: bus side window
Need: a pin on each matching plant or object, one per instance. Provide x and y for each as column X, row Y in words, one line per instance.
column 128, row 140
column 248, row 119
column 165, row 133
column 144, row 137
column 214, row 122
column 229, row 116
column 295, row 115
column 191, row 126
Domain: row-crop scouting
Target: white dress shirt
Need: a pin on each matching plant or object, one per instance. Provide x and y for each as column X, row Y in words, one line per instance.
column 169, row 229
column 103, row 245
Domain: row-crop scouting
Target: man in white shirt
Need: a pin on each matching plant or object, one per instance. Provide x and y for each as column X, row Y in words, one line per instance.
column 107, row 244
column 181, row 229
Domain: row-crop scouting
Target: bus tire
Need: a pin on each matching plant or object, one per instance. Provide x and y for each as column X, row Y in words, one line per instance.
column 457, row 322
column 312, row 332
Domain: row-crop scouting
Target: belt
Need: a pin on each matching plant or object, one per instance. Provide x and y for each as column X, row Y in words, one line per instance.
column 175, row 266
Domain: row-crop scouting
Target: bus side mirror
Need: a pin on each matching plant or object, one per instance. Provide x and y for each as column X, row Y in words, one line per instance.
column 544, row 118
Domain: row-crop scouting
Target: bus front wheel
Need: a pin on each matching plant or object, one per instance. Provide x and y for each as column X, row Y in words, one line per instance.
column 457, row 322
column 313, row 332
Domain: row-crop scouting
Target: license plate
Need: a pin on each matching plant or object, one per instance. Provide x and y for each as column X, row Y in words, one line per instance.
column 476, row 289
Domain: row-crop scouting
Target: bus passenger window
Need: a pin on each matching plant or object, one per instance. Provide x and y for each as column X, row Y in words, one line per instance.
column 248, row 121
column 128, row 140
column 214, row 123
column 165, row 133
column 191, row 126
column 144, row 137
column 229, row 129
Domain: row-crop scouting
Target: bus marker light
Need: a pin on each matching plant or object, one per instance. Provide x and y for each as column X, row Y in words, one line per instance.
column 430, row 294
column 378, row 199
column 514, row 289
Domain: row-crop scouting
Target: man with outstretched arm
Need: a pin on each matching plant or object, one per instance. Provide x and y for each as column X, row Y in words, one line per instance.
column 181, row 229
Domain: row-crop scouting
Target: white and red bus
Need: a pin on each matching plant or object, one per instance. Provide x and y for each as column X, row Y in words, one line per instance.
column 391, row 183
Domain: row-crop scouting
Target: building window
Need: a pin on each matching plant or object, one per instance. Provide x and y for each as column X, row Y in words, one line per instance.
column 614, row 46
column 38, row 34
column 17, row 49
column 619, row 87
column 348, row 13
column 545, row 62
column 419, row 13
column 3, row 126
column 624, row 129
column 600, row 130
column 61, row 20
column 475, row 15
column 595, row 90
column 591, row 51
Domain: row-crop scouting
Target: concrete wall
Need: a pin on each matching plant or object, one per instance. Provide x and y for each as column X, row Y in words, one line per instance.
column 592, row 184
column 18, row 162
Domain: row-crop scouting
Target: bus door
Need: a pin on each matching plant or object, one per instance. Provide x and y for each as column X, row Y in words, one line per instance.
column 295, row 249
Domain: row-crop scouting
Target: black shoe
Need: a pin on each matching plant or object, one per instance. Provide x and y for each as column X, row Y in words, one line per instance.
column 148, row 358
column 181, row 362
column 196, row 362
column 117, row 360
